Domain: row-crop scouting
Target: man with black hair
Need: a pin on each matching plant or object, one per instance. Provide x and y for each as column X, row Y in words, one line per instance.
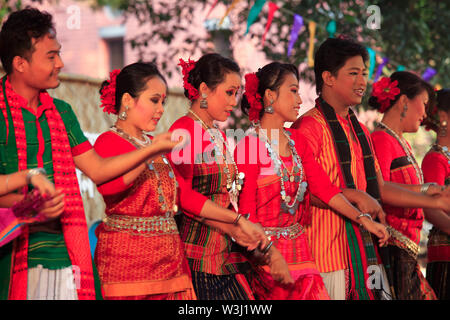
column 345, row 254
column 50, row 260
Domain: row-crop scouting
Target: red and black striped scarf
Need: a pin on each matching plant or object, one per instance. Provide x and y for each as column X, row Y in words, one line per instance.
column 73, row 219
column 361, row 248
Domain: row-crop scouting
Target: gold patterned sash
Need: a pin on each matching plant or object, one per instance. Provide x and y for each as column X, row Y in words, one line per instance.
column 400, row 240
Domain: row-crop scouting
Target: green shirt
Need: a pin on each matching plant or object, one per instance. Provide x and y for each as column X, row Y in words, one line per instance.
column 41, row 242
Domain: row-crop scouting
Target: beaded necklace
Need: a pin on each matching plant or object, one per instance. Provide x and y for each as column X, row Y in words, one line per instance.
column 407, row 150
column 296, row 174
column 125, row 135
column 164, row 203
column 233, row 187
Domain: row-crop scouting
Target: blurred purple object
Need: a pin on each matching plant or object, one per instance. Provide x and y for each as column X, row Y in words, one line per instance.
column 380, row 68
column 298, row 24
column 429, row 74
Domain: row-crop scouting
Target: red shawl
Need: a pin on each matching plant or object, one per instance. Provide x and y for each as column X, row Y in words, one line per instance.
column 73, row 219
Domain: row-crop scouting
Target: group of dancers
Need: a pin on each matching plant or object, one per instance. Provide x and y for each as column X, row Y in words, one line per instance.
column 321, row 210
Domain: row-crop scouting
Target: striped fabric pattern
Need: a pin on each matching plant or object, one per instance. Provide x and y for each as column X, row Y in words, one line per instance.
column 327, row 233
column 224, row 287
column 207, row 249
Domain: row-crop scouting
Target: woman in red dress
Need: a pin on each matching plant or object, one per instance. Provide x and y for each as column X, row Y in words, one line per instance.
column 139, row 254
column 280, row 174
column 403, row 98
column 218, row 266
column 436, row 169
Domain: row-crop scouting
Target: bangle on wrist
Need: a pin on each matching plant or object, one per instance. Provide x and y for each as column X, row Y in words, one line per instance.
column 34, row 172
column 364, row 215
column 235, row 222
column 424, row 188
column 266, row 249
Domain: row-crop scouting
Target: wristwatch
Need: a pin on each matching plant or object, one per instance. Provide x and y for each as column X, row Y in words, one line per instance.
column 33, row 172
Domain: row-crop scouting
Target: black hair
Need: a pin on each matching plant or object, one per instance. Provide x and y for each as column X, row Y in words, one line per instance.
column 332, row 55
column 442, row 104
column 443, row 99
column 19, row 30
column 271, row 76
column 132, row 79
column 410, row 85
column 211, row 69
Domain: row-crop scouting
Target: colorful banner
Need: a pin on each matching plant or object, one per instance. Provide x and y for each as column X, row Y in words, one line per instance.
column 380, row 68
column 232, row 5
column 272, row 9
column 372, row 61
column 254, row 12
column 298, row 24
column 429, row 74
column 211, row 9
column 331, row 28
column 312, row 35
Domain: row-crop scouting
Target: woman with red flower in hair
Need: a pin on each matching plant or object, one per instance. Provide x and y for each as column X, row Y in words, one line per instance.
column 280, row 176
column 218, row 266
column 403, row 98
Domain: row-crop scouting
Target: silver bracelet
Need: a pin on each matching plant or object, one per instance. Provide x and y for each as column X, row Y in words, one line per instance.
column 7, row 181
column 424, row 188
column 34, row 172
column 364, row 215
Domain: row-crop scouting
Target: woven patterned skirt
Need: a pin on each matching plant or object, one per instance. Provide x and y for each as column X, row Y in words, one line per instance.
column 438, row 275
column 406, row 279
column 221, row 287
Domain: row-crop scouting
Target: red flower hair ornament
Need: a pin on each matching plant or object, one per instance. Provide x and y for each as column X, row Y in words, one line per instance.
column 186, row 67
column 253, row 97
column 385, row 90
column 108, row 96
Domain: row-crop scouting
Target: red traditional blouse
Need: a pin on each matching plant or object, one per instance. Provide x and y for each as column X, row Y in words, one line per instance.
column 207, row 249
column 436, row 168
column 261, row 196
column 131, row 264
column 396, row 168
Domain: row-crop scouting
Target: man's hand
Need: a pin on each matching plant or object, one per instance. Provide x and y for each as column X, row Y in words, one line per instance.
column 367, row 204
column 53, row 206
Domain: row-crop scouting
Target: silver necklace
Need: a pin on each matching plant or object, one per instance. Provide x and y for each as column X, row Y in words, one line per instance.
column 296, row 174
column 164, row 203
column 128, row 137
column 407, row 150
column 233, row 187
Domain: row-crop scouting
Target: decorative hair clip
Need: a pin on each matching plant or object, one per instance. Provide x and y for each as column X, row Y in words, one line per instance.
column 385, row 90
column 253, row 97
column 186, row 67
column 108, row 96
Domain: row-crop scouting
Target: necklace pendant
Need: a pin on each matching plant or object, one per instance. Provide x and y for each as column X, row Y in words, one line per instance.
column 291, row 178
column 175, row 208
column 288, row 199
